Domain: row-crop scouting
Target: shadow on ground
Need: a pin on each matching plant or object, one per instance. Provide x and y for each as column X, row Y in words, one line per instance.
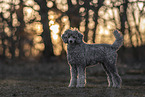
column 41, row 79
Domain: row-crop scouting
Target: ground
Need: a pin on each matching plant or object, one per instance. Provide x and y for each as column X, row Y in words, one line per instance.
column 50, row 79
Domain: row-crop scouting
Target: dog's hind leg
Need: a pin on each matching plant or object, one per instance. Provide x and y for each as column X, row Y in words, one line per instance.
column 109, row 76
column 73, row 74
column 116, row 79
column 110, row 64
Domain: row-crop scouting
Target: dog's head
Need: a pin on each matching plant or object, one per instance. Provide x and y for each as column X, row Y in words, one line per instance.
column 72, row 36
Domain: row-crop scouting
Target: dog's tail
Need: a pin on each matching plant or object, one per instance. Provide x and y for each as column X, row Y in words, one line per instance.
column 119, row 40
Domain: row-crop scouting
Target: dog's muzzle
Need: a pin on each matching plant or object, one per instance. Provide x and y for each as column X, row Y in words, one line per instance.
column 71, row 40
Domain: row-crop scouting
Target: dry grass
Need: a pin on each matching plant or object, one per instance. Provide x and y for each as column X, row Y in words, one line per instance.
column 41, row 79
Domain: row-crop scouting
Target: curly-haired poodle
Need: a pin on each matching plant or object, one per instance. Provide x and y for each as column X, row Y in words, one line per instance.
column 80, row 55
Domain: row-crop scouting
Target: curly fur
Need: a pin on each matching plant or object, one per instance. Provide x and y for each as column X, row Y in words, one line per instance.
column 80, row 55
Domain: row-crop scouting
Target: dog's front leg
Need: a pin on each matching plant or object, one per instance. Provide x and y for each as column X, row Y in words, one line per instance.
column 81, row 80
column 73, row 74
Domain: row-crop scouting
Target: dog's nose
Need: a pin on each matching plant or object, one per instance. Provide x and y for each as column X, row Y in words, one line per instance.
column 70, row 41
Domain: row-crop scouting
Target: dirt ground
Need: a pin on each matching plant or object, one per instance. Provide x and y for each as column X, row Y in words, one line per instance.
column 50, row 79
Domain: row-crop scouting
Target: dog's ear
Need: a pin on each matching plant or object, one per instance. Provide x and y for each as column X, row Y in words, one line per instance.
column 65, row 36
column 79, row 37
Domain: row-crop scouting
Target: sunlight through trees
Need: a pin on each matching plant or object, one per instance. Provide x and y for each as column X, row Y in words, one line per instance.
column 34, row 27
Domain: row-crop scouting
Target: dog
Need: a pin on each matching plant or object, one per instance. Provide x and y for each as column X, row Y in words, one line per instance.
column 81, row 55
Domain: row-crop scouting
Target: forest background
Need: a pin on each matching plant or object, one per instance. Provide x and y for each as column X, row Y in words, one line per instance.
column 31, row 48
column 32, row 28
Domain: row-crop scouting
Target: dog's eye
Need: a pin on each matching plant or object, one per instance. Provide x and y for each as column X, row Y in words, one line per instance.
column 73, row 36
column 65, row 36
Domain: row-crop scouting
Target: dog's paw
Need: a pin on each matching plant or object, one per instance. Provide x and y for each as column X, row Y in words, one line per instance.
column 110, row 85
column 72, row 86
column 80, row 85
column 116, row 86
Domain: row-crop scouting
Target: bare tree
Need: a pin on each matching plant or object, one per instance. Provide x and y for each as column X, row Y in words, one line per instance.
column 20, row 30
column 96, row 11
column 73, row 14
column 46, row 35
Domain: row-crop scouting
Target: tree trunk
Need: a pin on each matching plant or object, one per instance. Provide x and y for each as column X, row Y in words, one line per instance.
column 96, row 11
column 46, row 34
column 73, row 14
column 86, row 26
column 20, row 30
